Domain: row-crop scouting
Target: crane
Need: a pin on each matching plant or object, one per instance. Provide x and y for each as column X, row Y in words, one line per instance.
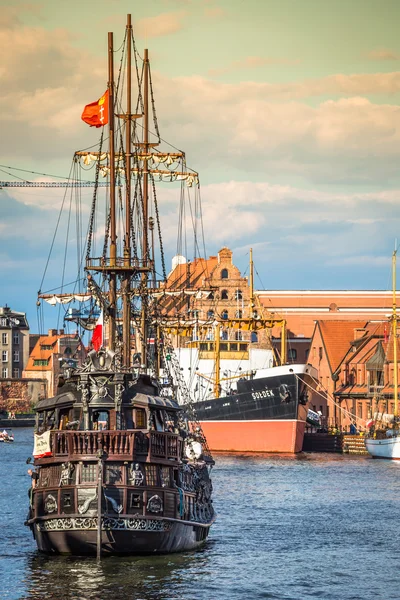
column 51, row 184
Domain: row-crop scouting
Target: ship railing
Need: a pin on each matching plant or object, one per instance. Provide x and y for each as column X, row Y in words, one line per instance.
column 164, row 445
column 123, row 444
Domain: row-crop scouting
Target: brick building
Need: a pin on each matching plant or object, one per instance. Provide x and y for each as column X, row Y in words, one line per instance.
column 53, row 352
column 14, row 342
column 212, row 289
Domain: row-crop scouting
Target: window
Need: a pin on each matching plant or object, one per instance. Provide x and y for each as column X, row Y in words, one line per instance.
column 210, row 314
column 224, row 274
column 151, row 475
column 239, row 314
column 40, row 363
column 238, row 336
column 3, row 322
column 224, row 314
column 254, row 336
column 140, row 414
column 211, row 296
column 238, row 295
column 292, row 354
column 4, row 356
column 45, row 347
column 224, row 295
column 101, row 420
column 16, row 373
column 16, row 356
column 4, row 372
column 320, row 353
column 16, row 337
column 4, row 338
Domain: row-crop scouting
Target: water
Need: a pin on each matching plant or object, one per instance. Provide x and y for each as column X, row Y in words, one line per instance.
column 289, row 528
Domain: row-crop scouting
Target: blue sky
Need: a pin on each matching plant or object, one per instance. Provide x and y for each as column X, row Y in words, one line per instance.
column 289, row 110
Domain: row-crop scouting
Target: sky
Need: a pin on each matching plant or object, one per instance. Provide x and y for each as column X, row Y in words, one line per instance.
column 289, row 110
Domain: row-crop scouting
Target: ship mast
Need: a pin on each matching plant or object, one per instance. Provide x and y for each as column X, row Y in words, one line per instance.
column 126, row 298
column 145, row 242
column 113, row 228
column 394, row 330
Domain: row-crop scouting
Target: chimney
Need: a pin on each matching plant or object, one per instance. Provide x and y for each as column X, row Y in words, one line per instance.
column 52, row 332
column 61, row 331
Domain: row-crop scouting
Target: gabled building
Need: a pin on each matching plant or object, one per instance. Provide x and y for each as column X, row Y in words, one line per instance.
column 51, row 353
column 330, row 344
column 366, row 374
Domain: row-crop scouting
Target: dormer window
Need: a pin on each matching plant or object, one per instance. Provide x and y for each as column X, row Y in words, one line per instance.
column 224, row 274
column 224, row 295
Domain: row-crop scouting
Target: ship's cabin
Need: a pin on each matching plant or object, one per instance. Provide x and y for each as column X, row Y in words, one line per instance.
column 138, row 408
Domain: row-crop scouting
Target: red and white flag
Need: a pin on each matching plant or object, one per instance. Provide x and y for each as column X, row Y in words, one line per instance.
column 97, row 337
column 95, row 114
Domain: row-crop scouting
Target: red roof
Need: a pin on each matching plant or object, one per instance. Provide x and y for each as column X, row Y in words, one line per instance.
column 337, row 337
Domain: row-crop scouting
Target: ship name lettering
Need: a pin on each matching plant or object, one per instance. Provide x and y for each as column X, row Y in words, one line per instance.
column 262, row 394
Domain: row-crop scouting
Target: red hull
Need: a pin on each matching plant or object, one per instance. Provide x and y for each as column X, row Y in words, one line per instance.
column 254, row 436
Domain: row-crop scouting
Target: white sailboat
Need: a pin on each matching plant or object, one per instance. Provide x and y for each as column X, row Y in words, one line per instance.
column 384, row 438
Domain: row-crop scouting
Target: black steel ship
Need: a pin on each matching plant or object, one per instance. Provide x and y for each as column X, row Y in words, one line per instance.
column 265, row 414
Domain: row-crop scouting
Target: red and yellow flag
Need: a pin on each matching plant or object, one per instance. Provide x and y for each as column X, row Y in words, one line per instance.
column 96, row 113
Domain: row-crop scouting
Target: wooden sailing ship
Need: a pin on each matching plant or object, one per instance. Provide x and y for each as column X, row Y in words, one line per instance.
column 121, row 469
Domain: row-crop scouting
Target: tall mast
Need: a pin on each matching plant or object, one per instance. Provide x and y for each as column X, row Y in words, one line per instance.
column 145, row 243
column 113, row 228
column 251, row 315
column 394, row 324
column 126, row 300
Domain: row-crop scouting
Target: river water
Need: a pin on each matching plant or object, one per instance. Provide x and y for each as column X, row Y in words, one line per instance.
column 289, row 528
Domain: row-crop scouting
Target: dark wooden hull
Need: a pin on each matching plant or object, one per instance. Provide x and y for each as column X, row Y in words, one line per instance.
column 126, row 535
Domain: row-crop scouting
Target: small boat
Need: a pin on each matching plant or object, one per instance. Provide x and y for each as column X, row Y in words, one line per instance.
column 6, row 436
column 383, row 438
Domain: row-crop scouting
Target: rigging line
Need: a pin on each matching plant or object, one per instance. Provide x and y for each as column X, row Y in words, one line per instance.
column 32, row 173
column 331, row 398
column 65, row 257
column 55, row 233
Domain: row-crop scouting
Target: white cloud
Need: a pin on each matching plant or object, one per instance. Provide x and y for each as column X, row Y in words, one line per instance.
column 160, row 25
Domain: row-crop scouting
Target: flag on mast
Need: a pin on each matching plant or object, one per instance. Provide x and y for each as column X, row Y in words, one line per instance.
column 97, row 337
column 96, row 113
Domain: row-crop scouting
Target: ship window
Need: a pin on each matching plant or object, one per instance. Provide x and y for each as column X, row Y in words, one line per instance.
column 67, row 500
column 234, row 347
column 136, row 500
column 151, row 475
column 224, row 274
column 223, row 347
column 113, row 474
column 128, row 417
column 224, row 295
column 203, row 346
column 238, row 295
column 165, row 477
column 242, row 347
column 64, row 418
column 88, row 473
column 140, row 414
column 100, row 420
